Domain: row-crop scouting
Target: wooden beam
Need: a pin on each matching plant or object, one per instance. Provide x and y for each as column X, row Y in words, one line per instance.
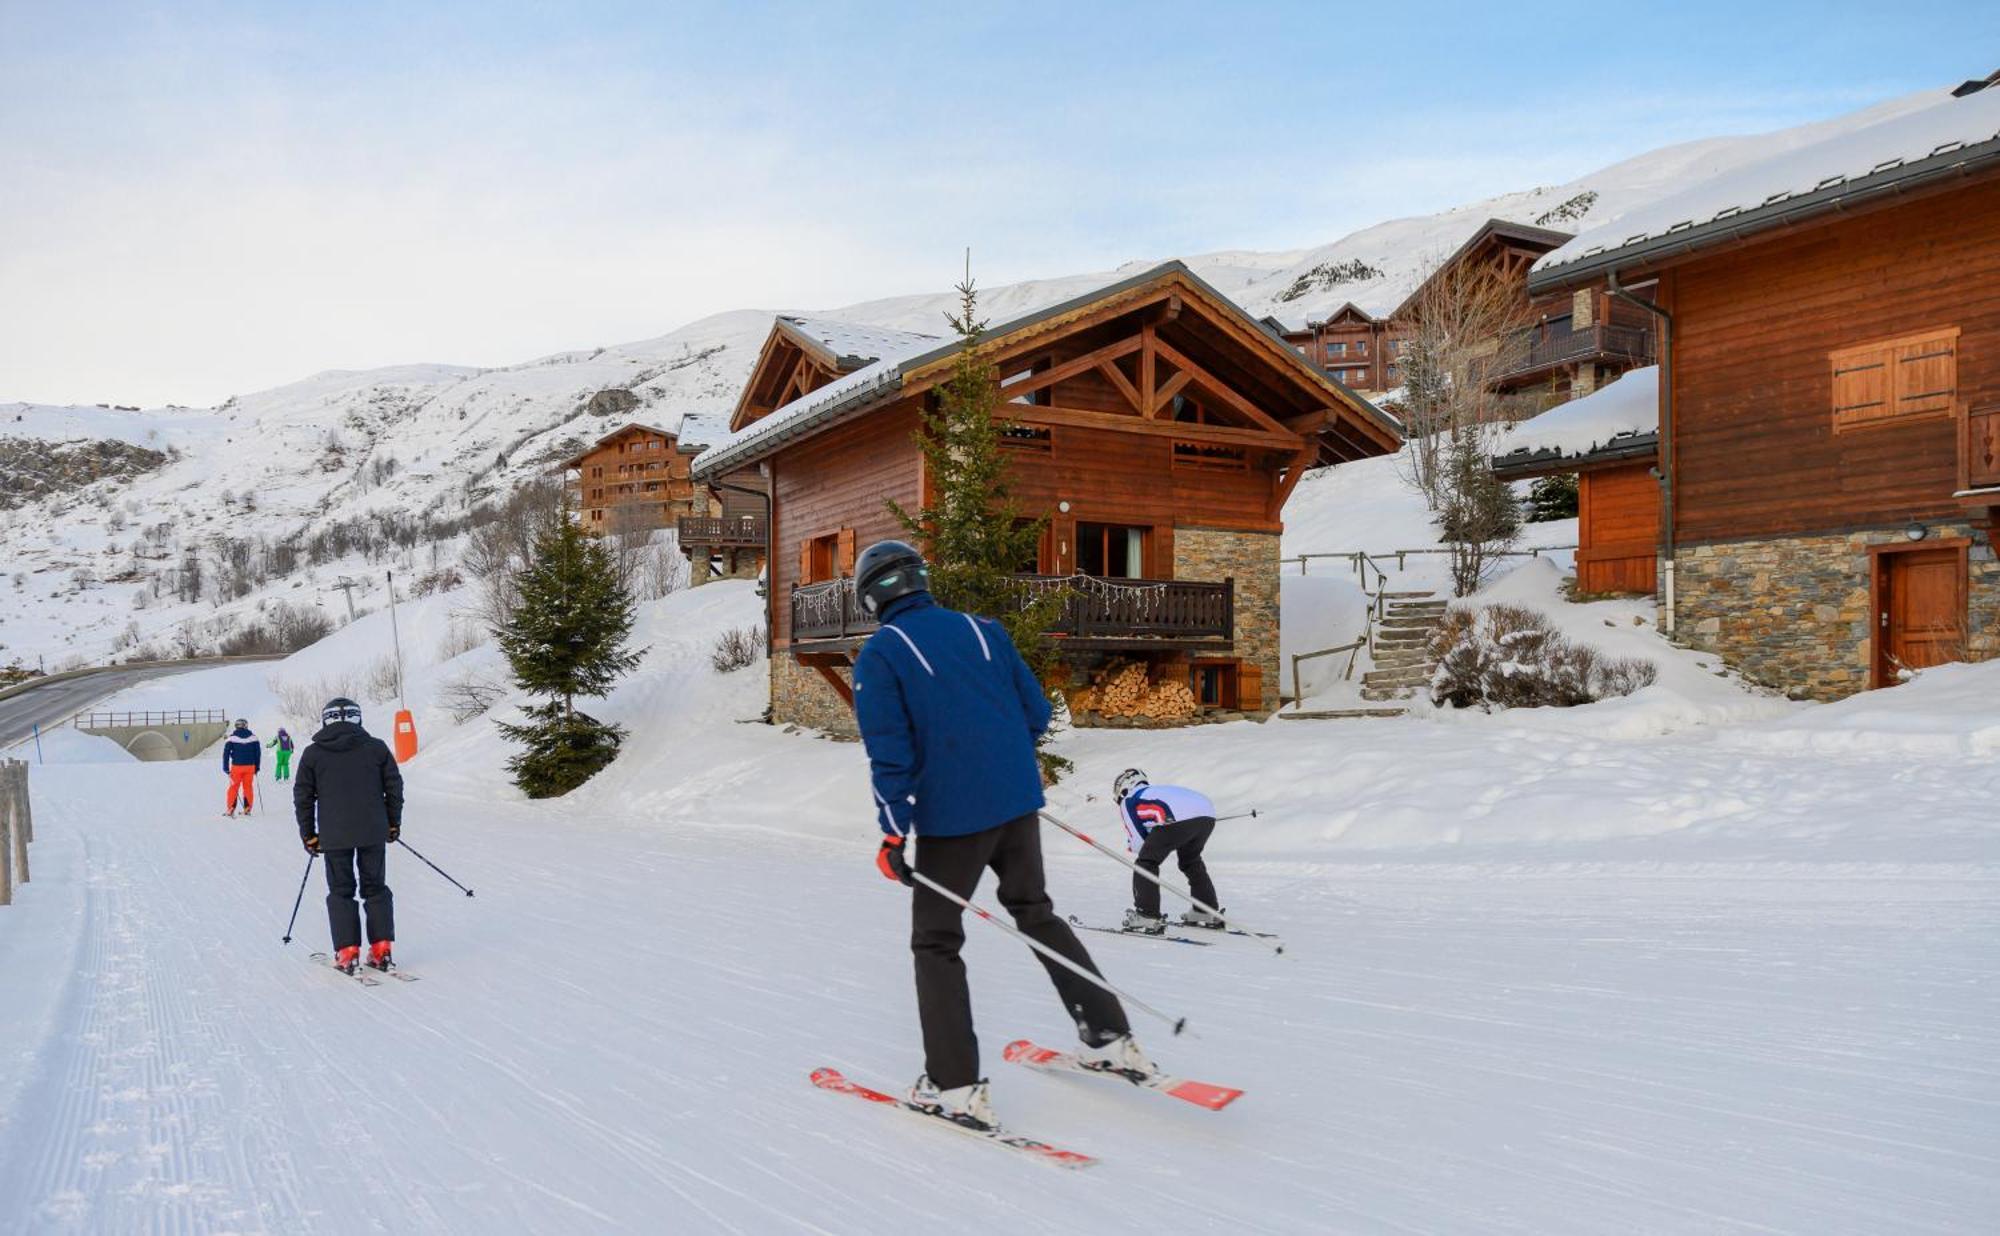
column 1148, row 371
column 1282, row 487
column 1032, row 338
column 1069, row 369
column 1039, row 414
column 1124, row 384
column 1217, row 387
column 1166, row 393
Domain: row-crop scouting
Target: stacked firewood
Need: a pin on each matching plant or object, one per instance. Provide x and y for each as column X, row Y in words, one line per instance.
column 1122, row 689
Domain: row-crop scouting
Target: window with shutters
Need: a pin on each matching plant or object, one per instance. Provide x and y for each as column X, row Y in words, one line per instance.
column 1892, row 381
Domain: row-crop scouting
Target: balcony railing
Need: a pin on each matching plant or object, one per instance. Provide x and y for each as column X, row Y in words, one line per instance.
column 1093, row 608
column 744, row 531
column 1558, row 343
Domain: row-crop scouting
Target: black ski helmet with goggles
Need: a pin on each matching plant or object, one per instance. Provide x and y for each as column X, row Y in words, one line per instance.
column 887, row 571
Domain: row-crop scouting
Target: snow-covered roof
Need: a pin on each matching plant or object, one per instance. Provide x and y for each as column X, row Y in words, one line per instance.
column 852, row 344
column 699, row 429
column 910, row 351
column 1941, row 137
column 1619, row 419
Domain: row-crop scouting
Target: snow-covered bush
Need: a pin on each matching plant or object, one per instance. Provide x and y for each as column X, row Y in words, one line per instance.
column 1508, row 656
column 304, row 697
column 737, row 649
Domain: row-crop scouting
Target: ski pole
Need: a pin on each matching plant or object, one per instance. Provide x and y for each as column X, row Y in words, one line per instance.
column 300, row 898
column 1241, row 815
column 1178, row 1023
column 433, row 866
column 1271, row 942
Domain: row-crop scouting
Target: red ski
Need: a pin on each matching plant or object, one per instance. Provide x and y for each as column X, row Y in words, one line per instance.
column 832, row 1079
column 1201, row 1094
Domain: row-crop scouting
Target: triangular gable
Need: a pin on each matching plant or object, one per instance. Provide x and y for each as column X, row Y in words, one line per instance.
column 802, row 354
column 1493, row 236
column 629, row 428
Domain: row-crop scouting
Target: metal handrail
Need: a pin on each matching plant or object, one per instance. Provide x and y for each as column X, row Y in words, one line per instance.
column 125, row 720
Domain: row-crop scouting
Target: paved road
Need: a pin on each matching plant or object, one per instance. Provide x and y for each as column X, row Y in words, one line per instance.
column 50, row 702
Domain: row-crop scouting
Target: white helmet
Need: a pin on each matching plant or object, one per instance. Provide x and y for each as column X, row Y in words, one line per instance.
column 1128, row 781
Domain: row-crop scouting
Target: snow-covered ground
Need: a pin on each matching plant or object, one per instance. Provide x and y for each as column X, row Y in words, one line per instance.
column 1540, row 978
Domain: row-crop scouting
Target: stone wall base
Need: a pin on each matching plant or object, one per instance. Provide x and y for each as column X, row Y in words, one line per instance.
column 1796, row 613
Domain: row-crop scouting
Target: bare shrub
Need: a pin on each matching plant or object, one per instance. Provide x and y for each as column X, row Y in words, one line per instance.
column 442, row 580
column 379, row 684
column 461, row 637
column 303, row 697
column 1507, row 656
column 469, row 694
column 737, row 649
column 504, row 539
column 285, row 628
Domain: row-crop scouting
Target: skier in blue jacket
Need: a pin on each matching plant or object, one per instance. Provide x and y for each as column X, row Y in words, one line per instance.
column 950, row 715
column 242, row 755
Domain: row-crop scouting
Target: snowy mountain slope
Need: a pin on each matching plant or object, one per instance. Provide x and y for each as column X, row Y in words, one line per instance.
column 99, row 568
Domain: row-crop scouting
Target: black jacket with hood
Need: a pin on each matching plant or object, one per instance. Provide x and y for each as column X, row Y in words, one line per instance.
column 347, row 789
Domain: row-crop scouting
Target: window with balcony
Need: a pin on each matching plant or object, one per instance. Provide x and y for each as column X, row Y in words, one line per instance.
column 1116, row 551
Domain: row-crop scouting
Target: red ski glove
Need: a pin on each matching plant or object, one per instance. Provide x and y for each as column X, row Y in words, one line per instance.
column 889, row 861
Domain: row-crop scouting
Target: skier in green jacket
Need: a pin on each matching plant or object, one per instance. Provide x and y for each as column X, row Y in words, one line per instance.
column 283, row 742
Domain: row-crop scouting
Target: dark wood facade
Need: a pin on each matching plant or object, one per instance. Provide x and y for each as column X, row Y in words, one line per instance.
column 637, row 477
column 1151, row 424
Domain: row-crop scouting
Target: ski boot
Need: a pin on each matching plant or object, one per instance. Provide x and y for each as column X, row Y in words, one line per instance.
column 964, row 1105
column 1143, row 923
column 348, row 960
column 1202, row 918
column 378, row 956
column 1121, row 1056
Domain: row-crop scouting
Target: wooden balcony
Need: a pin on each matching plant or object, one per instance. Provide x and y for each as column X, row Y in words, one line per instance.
column 1553, row 344
column 1097, row 613
column 718, row 532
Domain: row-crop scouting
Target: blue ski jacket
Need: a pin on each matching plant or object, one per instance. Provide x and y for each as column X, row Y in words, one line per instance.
column 242, row 749
column 949, row 714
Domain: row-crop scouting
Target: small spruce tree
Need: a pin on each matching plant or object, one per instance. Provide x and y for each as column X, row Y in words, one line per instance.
column 1552, row 497
column 1477, row 513
column 564, row 639
column 972, row 534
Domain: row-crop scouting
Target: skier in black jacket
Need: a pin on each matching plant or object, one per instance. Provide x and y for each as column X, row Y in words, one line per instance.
column 348, row 797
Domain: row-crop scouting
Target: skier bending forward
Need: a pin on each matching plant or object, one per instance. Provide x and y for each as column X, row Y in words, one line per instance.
column 348, row 797
column 950, row 714
column 1162, row 820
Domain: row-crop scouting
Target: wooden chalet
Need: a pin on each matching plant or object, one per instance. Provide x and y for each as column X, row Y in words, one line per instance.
column 1158, row 427
column 1355, row 347
column 635, row 477
column 1829, row 403
column 1615, row 458
column 727, row 540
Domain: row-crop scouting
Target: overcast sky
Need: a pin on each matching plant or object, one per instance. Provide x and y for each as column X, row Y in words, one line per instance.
column 204, row 199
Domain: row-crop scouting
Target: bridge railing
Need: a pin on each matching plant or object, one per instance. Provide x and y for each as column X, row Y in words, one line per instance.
column 136, row 720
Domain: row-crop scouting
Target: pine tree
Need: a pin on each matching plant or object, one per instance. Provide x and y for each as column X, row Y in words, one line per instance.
column 974, row 537
column 566, row 638
column 1477, row 512
column 1552, row 497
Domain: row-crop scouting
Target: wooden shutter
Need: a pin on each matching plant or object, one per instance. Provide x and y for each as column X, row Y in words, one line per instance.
column 1249, row 686
column 846, row 567
column 1909, row 377
column 806, row 561
column 1925, row 374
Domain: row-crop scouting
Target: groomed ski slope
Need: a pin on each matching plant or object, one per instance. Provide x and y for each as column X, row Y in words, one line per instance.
column 1737, row 976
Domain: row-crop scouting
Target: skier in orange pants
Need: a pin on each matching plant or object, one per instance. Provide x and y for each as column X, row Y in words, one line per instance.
column 242, row 754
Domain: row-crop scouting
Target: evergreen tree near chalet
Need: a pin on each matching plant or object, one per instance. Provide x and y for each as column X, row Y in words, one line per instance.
column 974, row 537
column 566, row 638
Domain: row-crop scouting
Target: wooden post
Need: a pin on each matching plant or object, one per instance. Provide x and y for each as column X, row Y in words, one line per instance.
column 17, row 815
column 27, row 806
column 7, row 836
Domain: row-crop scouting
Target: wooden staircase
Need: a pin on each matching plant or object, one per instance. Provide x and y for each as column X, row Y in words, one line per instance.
column 1401, row 645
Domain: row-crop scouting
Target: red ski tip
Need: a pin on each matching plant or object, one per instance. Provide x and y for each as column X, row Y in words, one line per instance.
column 1201, row 1094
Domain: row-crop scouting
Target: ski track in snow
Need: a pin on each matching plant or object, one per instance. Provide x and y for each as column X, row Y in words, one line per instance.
column 614, row 1035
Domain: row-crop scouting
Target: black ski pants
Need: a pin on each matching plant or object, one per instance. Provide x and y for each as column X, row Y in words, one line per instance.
column 369, row 861
column 1184, row 839
column 937, row 932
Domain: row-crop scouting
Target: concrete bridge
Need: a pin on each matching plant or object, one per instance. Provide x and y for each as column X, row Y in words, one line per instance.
column 176, row 735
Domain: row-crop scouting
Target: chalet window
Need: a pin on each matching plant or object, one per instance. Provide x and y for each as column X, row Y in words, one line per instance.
column 1117, row 551
column 1361, row 347
column 1912, row 377
column 827, row 557
column 1336, row 349
column 1211, row 457
column 1213, row 683
column 1028, row 439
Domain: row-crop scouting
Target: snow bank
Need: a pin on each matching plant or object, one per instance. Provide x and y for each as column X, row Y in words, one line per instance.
column 1629, row 405
column 1949, row 710
column 68, row 746
column 1693, row 688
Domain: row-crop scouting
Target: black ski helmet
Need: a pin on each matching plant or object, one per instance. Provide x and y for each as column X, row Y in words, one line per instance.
column 339, row 709
column 887, row 570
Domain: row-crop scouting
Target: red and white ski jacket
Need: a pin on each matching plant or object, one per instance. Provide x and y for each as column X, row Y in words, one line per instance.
column 1151, row 806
